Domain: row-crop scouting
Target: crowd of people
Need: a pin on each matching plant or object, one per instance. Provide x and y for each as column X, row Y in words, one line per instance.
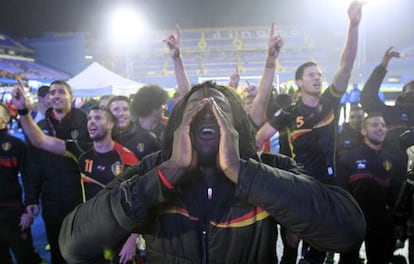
column 130, row 181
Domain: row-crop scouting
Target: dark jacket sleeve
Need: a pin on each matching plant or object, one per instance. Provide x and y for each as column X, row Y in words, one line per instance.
column 22, row 158
column 33, row 190
column 341, row 172
column 397, row 180
column 370, row 100
column 325, row 216
column 104, row 220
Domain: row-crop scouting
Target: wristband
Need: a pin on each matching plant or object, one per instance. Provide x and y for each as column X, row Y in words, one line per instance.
column 23, row 111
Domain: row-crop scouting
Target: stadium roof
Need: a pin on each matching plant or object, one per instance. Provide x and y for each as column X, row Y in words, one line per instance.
column 7, row 42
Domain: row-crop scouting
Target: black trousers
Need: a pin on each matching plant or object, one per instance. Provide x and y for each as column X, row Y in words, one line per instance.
column 20, row 242
column 379, row 247
column 52, row 228
column 310, row 254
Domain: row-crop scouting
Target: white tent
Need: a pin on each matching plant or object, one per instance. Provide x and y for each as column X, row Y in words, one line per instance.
column 96, row 80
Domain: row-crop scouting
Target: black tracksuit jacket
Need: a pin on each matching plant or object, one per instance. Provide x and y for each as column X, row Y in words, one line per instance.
column 230, row 223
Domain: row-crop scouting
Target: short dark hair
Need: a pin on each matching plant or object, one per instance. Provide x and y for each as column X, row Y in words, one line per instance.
column 62, row 83
column 107, row 112
column 106, row 96
column 42, row 91
column 370, row 115
column 148, row 99
column 410, row 83
column 301, row 69
column 119, row 98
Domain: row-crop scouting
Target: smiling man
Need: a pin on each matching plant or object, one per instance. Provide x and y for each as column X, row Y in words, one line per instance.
column 129, row 133
column 99, row 161
column 374, row 176
column 58, row 195
column 208, row 198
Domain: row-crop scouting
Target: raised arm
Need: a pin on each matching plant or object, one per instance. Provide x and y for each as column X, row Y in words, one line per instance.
column 389, row 54
column 261, row 101
column 343, row 73
column 113, row 214
column 326, row 216
column 174, row 42
column 31, row 130
column 370, row 100
column 264, row 133
column 234, row 78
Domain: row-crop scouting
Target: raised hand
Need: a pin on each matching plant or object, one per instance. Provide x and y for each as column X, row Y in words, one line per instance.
column 355, row 12
column 234, row 78
column 275, row 42
column 19, row 95
column 251, row 88
column 229, row 156
column 183, row 156
column 389, row 54
column 174, row 43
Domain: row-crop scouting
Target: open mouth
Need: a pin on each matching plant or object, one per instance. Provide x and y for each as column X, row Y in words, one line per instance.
column 208, row 132
column 92, row 130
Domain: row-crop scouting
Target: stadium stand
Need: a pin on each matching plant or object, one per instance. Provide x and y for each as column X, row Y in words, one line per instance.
column 17, row 61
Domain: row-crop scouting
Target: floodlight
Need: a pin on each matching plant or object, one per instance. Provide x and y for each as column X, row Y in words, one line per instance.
column 126, row 24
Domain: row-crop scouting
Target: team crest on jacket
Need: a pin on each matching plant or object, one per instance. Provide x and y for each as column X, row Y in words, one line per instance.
column 361, row 164
column 140, row 147
column 100, row 168
column 6, row 146
column 74, row 134
column 117, row 168
column 387, row 165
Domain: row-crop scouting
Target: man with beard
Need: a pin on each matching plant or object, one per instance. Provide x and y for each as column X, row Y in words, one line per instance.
column 310, row 123
column 99, row 162
column 398, row 117
column 207, row 197
column 56, row 179
column 374, row 177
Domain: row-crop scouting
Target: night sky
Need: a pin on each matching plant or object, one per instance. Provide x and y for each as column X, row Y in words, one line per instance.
column 386, row 22
column 30, row 18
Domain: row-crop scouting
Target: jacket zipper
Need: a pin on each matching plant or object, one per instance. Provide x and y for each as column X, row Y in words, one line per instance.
column 204, row 237
column 204, row 245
